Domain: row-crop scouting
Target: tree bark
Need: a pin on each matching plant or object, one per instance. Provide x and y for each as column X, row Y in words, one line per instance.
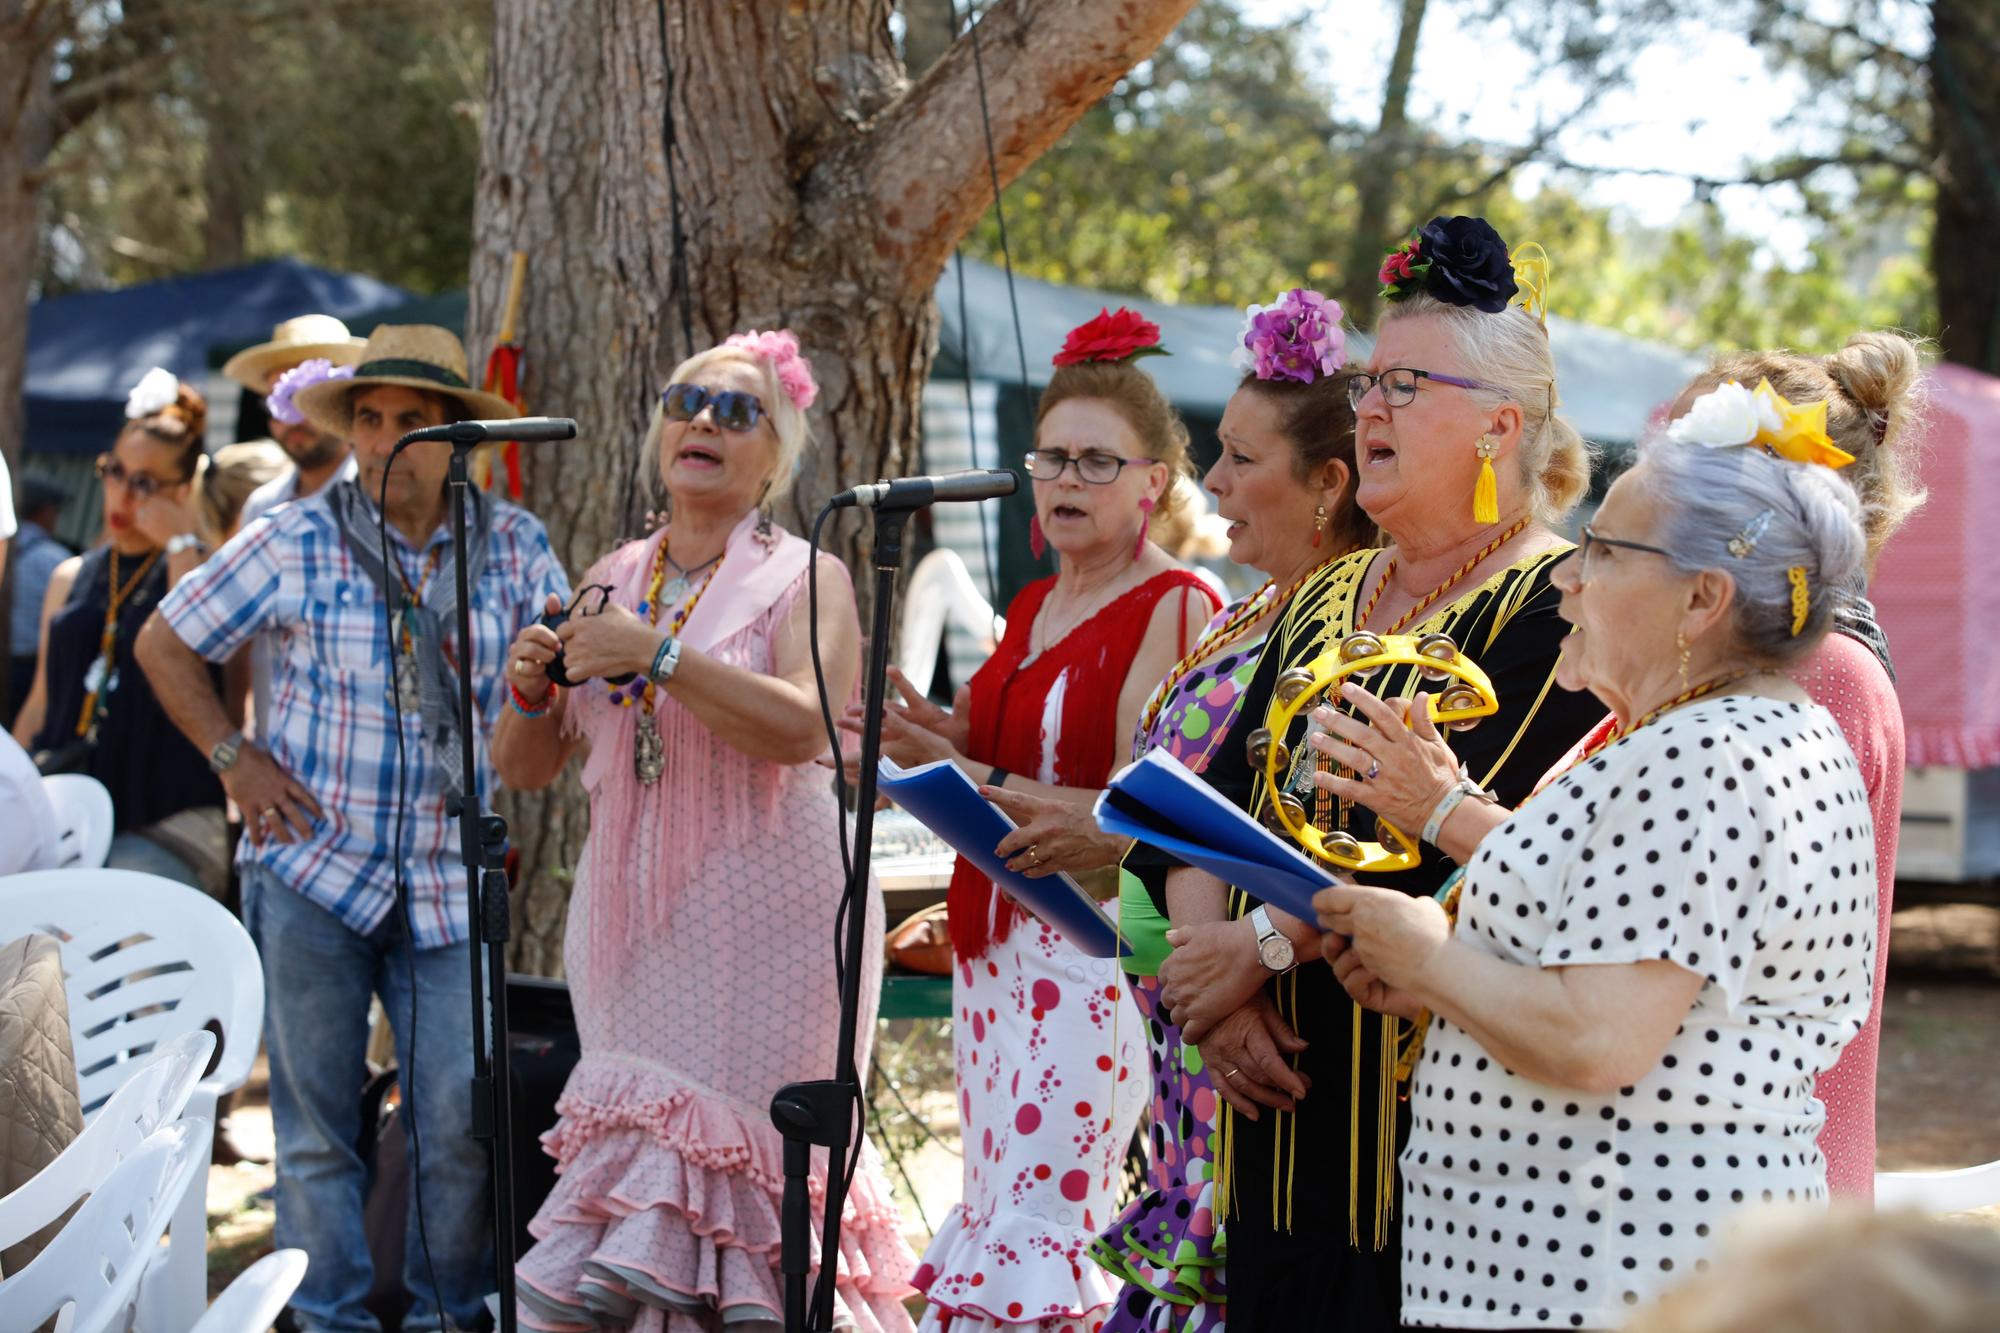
column 28, row 35
column 820, row 190
column 1965, row 113
column 1359, row 290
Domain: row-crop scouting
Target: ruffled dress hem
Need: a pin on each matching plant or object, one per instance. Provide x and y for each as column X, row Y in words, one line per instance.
column 1166, row 1245
column 1045, row 1281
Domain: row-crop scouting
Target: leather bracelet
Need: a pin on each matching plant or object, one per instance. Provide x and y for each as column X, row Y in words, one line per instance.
column 1449, row 802
column 521, row 704
column 999, row 778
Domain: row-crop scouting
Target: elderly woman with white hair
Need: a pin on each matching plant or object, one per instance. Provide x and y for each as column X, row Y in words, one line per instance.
column 1655, row 957
column 706, row 892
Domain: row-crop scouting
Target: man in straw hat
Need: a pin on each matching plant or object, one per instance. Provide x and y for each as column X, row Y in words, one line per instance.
column 318, row 456
column 345, row 796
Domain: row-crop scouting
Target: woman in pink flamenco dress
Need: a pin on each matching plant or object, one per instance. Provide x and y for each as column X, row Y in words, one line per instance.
column 703, row 909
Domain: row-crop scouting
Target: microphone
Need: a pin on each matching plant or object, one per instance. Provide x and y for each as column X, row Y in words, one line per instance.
column 916, row 492
column 528, row 430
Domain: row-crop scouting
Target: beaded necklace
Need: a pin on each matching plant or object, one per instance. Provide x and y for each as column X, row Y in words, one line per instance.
column 1429, row 598
column 640, row 688
column 408, row 678
column 102, row 674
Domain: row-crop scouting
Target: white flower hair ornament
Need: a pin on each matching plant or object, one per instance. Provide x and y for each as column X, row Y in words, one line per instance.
column 156, row 391
column 1730, row 416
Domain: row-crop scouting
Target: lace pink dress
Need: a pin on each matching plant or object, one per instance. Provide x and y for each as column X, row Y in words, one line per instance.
column 699, row 958
column 1844, row 678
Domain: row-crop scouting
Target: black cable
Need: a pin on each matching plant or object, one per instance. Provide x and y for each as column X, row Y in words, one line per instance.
column 999, row 202
column 988, row 556
column 403, row 897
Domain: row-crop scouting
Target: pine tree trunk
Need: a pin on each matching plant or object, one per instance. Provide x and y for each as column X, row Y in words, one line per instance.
column 1965, row 111
column 819, row 190
column 27, row 47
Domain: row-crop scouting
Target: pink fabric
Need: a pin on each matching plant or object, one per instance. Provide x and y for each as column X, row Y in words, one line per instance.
column 697, row 954
column 1845, row 679
column 1933, row 591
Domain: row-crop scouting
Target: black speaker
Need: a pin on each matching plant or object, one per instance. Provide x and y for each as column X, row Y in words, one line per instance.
column 544, row 1045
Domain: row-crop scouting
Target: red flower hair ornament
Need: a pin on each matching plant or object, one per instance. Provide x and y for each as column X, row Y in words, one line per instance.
column 1115, row 335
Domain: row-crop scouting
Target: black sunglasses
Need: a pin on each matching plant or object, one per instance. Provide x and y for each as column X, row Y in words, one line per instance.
column 734, row 410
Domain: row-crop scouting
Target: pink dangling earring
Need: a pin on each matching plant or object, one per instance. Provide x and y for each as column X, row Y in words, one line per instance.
column 1145, row 522
column 1036, row 541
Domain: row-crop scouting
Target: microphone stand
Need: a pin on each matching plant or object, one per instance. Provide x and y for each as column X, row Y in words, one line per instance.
column 482, row 847
column 821, row 1113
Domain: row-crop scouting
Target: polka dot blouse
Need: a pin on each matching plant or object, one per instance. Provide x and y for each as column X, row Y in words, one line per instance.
column 1733, row 838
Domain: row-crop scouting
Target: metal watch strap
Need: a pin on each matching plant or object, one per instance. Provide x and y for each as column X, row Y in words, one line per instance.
column 226, row 752
column 1260, row 921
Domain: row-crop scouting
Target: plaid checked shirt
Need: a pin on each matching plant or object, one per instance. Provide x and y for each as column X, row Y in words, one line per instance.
column 289, row 576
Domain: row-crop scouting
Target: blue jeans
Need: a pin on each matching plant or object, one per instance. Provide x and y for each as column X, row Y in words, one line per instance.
column 318, row 976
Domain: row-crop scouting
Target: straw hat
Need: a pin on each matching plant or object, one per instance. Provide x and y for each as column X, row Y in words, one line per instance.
column 292, row 342
column 414, row 356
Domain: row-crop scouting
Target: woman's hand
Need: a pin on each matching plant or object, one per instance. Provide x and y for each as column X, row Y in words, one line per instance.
column 610, row 643
column 1395, row 936
column 161, row 518
column 1364, row 987
column 1211, row 973
column 528, row 657
column 903, row 740
column 955, row 726
column 1052, row 836
column 1247, row 1058
column 1402, row 767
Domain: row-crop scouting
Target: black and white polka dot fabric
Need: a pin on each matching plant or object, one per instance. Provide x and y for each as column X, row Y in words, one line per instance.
column 1731, row 837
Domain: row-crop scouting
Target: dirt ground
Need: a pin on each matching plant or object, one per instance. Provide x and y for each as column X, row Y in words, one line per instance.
column 1937, row 1092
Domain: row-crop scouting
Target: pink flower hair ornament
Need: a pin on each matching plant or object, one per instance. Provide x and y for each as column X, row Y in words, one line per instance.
column 1297, row 337
column 279, row 403
column 780, row 348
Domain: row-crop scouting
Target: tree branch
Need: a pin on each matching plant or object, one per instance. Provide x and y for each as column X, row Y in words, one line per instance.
column 1784, row 172
column 1046, row 62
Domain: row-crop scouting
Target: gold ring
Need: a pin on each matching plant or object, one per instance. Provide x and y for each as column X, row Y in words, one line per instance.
column 1035, row 852
column 1233, row 1073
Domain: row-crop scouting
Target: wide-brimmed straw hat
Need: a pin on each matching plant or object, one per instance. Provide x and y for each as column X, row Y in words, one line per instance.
column 414, row 356
column 292, row 342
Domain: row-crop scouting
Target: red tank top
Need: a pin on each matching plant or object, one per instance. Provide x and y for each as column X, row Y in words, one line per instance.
column 1053, row 719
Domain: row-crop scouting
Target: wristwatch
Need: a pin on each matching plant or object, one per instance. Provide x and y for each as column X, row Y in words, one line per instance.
column 225, row 752
column 185, row 541
column 1274, row 947
column 665, row 662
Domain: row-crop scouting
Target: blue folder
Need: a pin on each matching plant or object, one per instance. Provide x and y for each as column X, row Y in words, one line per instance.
column 1162, row 803
column 947, row 803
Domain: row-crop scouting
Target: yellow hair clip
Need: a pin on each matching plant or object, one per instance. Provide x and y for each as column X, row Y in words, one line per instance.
column 1801, row 598
column 1531, row 274
column 1800, row 434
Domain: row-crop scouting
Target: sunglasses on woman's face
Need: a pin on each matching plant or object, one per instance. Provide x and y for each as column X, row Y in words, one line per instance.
column 733, row 409
column 142, row 484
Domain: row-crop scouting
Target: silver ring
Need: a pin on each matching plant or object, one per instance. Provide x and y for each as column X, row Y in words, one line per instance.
column 1374, row 771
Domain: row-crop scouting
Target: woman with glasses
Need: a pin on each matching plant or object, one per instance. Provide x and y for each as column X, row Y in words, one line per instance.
column 1655, row 958
column 91, row 709
column 1465, row 466
column 1051, row 1069
column 706, row 890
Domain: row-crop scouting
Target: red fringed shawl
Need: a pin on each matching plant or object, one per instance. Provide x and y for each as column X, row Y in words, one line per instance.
column 1053, row 719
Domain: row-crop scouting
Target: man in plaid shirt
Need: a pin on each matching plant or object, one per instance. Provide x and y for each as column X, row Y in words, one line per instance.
column 353, row 755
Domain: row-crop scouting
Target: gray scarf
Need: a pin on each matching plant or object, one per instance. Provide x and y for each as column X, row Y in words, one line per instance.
column 1854, row 616
column 437, row 681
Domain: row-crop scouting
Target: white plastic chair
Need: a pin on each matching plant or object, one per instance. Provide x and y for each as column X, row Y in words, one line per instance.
column 144, row 960
column 251, row 1303
column 153, row 1095
column 92, row 1269
column 84, row 819
column 1939, row 1191
column 940, row 590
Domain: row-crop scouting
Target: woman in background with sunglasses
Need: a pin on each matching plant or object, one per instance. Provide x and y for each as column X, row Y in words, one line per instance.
column 1050, row 1051
column 91, row 709
column 706, row 891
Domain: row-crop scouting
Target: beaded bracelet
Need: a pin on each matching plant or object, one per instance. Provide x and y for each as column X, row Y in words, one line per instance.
column 521, row 704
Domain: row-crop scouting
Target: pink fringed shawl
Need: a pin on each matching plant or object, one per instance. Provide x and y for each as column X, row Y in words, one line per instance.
column 646, row 843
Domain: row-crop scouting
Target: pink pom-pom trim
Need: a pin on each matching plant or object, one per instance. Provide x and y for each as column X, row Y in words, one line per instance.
column 780, row 347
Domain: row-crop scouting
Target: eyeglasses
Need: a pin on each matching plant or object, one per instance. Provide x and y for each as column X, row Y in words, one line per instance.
column 734, row 410
column 1399, row 385
column 1099, row 469
column 142, row 484
column 1591, row 538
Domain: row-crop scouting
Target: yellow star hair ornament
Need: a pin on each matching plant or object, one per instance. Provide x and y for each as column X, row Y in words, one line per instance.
column 1797, row 433
column 1531, row 275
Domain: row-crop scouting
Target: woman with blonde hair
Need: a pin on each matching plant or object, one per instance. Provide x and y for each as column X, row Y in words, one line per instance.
column 706, row 892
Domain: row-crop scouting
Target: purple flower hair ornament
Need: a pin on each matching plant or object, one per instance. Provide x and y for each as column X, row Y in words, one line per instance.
column 278, row 403
column 1297, row 337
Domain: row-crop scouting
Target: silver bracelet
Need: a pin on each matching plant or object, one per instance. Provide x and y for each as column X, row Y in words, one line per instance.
column 665, row 662
column 1451, row 800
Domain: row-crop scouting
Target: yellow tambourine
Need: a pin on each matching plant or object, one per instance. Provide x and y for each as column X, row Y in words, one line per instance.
column 1459, row 707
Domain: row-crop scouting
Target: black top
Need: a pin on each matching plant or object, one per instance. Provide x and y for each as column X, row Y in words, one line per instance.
column 143, row 760
column 1312, row 1234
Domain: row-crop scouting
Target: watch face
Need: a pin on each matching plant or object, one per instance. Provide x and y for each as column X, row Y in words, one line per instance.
column 1276, row 952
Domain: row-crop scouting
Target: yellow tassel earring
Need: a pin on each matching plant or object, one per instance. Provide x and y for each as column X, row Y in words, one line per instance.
column 1486, row 494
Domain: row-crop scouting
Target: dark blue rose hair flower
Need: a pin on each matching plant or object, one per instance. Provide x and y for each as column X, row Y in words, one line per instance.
column 1458, row 260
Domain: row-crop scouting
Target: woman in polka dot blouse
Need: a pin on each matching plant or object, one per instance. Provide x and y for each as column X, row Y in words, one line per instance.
column 1656, row 955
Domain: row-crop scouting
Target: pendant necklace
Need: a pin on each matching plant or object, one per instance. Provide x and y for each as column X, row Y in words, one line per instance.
column 649, row 751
